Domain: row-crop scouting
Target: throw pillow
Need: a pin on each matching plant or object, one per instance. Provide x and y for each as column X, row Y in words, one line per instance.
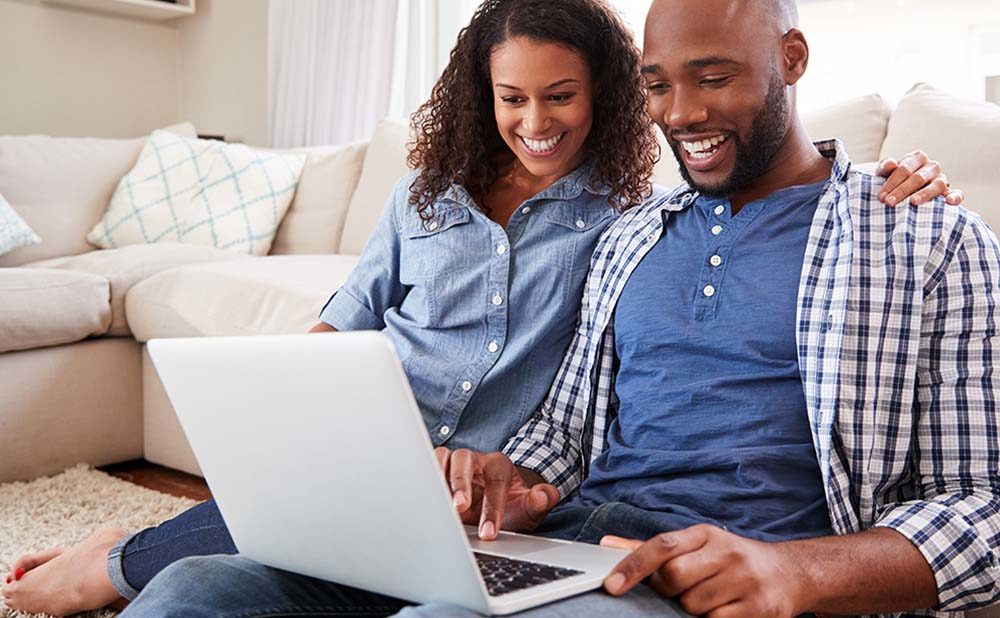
column 14, row 232
column 202, row 192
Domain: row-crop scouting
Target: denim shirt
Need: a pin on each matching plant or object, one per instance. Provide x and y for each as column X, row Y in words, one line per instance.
column 480, row 315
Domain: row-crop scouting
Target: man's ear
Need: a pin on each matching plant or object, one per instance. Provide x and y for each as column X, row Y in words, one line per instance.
column 794, row 56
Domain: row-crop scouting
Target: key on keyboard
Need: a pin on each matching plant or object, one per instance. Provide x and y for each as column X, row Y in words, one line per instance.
column 503, row 575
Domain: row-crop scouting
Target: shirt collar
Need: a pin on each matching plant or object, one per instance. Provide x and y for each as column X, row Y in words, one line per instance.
column 568, row 187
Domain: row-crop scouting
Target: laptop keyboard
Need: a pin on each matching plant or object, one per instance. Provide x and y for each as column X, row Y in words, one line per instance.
column 503, row 575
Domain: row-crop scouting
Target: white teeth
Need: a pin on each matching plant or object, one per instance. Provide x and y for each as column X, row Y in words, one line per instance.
column 703, row 149
column 544, row 145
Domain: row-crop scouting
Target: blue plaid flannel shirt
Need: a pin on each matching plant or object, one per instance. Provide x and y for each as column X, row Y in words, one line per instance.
column 898, row 348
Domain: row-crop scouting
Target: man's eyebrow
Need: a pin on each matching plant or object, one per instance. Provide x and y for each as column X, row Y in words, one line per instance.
column 710, row 61
column 561, row 82
column 697, row 63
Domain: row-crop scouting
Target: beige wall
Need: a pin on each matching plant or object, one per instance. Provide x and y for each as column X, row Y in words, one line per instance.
column 223, row 69
column 69, row 72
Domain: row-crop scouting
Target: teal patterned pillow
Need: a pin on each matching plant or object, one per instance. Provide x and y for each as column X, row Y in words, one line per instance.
column 14, row 232
column 201, row 192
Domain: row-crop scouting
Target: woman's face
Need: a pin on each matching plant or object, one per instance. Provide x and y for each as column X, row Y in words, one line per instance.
column 543, row 101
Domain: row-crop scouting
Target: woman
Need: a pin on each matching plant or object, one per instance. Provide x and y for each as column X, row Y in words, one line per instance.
column 534, row 137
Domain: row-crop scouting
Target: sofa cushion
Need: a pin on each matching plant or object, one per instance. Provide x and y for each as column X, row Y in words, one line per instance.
column 50, row 307
column 127, row 266
column 385, row 164
column 859, row 123
column 202, row 192
column 315, row 220
column 961, row 134
column 14, row 232
column 60, row 186
column 260, row 295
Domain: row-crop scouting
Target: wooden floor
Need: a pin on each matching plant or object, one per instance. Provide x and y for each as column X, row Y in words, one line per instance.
column 165, row 480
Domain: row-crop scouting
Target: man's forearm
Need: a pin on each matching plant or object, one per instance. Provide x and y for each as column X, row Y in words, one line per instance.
column 872, row 572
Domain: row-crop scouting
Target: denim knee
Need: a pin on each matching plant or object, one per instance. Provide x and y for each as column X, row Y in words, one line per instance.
column 177, row 589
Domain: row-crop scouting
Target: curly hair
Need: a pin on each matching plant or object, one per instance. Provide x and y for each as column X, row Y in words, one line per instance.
column 456, row 139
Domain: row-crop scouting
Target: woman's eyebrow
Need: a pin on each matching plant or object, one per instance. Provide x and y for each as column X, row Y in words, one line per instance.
column 561, row 82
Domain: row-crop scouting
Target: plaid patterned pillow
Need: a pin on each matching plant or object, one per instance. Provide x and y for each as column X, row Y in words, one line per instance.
column 201, row 192
column 14, row 232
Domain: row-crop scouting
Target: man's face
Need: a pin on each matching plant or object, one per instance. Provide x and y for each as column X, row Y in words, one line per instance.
column 715, row 89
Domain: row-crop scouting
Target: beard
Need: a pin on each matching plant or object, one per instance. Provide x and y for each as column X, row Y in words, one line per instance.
column 767, row 133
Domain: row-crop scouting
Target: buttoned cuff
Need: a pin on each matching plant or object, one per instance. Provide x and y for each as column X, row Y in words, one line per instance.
column 344, row 312
column 964, row 566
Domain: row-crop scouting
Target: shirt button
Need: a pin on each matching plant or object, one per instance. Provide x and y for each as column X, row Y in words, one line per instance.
column 445, row 430
column 433, row 225
column 580, row 224
column 709, row 291
column 497, row 300
column 716, row 230
column 493, row 347
column 501, row 249
column 715, row 260
column 466, row 386
column 526, row 210
column 720, row 209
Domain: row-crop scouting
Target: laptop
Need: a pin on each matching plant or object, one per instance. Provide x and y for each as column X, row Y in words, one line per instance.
column 316, row 453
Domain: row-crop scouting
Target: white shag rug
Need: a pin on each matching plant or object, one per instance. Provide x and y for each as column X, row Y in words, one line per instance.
column 64, row 509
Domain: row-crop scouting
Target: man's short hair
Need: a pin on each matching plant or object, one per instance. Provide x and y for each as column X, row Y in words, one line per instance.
column 785, row 13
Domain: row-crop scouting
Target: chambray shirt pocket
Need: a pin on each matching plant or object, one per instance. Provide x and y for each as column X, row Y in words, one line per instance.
column 436, row 247
column 577, row 227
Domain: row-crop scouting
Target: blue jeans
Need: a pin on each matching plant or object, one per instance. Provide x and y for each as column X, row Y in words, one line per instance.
column 199, row 531
column 233, row 586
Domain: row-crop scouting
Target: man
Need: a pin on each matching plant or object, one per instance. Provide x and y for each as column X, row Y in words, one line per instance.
column 790, row 403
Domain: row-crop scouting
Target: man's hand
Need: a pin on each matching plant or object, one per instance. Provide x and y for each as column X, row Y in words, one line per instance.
column 489, row 491
column 915, row 177
column 710, row 572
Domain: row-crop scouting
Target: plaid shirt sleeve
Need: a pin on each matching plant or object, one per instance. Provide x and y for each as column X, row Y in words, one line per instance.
column 954, row 519
column 552, row 442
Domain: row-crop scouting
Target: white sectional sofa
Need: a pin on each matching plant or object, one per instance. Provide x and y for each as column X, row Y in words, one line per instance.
column 75, row 385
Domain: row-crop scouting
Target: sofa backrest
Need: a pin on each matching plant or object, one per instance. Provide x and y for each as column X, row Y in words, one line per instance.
column 963, row 135
column 61, row 186
column 315, row 219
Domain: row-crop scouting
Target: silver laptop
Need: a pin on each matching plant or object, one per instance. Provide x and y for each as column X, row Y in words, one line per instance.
column 316, row 453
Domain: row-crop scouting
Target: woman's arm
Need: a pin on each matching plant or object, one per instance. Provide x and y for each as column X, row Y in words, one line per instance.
column 322, row 327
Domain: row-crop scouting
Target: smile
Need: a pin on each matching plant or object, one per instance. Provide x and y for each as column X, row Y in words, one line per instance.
column 543, row 146
column 703, row 149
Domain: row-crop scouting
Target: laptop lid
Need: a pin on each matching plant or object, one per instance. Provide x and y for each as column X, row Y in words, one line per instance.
column 372, row 509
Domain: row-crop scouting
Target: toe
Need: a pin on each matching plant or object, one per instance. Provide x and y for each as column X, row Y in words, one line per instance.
column 31, row 561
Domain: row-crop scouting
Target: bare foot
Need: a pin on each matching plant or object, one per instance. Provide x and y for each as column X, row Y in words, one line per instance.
column 62, row 582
